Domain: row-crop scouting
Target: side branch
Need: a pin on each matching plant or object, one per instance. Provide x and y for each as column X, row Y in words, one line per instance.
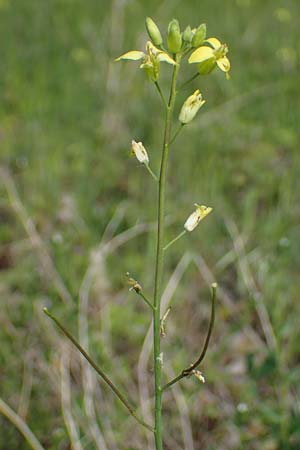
column 90, row 360
column 187, row 372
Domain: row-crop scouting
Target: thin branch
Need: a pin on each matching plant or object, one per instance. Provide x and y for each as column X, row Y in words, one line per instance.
column 177, row 133
column 183, row 85
column 174, row 240
column 161, row 94
column 151, row 172
column 100, row 372
column 189, row 370
column 19, row 423
column 146, row 300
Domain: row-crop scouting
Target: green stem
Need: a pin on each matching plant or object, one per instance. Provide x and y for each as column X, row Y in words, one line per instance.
column 100, row 372
column 183, row 85
column 146, row 300
column 161, row 94
column 151, row 172
column 175, row 239
column 177, row 132
column 159, row 260
column 189, row 370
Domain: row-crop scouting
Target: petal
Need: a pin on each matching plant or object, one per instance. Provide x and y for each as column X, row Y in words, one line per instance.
column 134, row 55
column 164, row 57
column 201, row 54
column 224, row 64
column 214, row 42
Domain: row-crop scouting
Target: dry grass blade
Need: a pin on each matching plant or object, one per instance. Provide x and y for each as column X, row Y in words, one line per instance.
column 250, row 284
column 66, row 405
column 183, row 411
column 20, row 425
column 49, row 270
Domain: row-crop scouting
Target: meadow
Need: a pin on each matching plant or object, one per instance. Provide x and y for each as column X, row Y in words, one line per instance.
column 77, row 213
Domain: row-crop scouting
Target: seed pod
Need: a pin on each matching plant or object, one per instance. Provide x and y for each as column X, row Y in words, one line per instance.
column 199, row 35
column 153, row 32
column 174, row 37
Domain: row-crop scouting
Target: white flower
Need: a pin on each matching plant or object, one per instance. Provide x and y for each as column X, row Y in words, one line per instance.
column 140, row 152
column 190, row 107
column 193, row 220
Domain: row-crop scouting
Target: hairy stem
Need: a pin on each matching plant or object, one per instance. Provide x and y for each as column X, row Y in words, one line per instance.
column 159, row 260
column 100, row 372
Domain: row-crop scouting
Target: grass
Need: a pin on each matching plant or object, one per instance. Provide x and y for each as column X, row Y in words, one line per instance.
column 67, row 116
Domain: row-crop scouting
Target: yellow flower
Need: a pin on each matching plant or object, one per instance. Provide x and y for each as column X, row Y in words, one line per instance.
column 208, row 58
column 190, row 107
column 196, row 217
column 150, row 60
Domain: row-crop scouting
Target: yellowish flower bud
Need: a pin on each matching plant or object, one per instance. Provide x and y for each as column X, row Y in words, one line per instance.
column 199, row 375
column 153, row 32
column 174, row 37
column 199, row 35
column 196, row 217
column 187, row 35
column 140, row 152
column 190, row 107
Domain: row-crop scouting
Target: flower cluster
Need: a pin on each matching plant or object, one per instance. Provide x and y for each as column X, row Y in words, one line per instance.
column 206, row 53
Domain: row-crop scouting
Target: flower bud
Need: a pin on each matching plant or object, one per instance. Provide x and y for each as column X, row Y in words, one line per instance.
column 174, row 37
column 198, row 375
column 190, row 107
column 199, row 35
column 196, row 217
column 153, row 32
column 140, row 152
column 187, row 35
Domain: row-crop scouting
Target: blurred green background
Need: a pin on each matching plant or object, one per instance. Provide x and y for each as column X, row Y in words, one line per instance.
column 77, row 213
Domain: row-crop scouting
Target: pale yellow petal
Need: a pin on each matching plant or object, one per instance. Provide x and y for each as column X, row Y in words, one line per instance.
column 214, row 42
column 224, row 64
column 201, row 54
column 164, row 57
column 133, row 55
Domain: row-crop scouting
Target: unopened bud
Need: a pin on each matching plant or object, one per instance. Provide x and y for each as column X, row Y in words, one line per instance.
column 187, row 35
column 174, row 37
column 134, row 285
column 198, row 375
column 199, row 35
column 196, row 217
column 153, row 32
column 140, row 152
column 190, row 107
